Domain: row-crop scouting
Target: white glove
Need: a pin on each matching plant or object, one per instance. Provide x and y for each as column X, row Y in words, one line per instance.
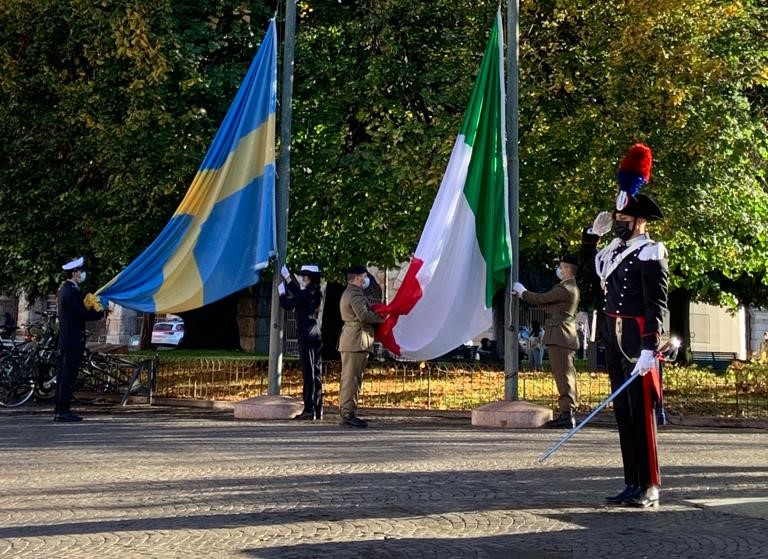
column 518, row 288
column 281, row 289
column 645, row 362
column 285, row 273
column 602, row 224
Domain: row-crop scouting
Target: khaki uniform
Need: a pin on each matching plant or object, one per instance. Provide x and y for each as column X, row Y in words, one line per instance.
column 355, row 342
column 561, row 303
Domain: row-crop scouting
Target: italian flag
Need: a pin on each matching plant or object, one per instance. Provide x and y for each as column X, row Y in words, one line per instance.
column 465, row 250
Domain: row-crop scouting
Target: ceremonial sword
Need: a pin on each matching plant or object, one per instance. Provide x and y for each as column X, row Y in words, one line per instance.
column 573, row 431
column 667, row 349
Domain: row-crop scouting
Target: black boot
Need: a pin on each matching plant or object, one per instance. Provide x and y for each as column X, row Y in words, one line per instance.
column 67, row 417
column 353, row 421
column 563, row 421
column 630, row 492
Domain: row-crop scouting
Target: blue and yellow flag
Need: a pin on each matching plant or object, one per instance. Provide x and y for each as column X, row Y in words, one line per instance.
column 223, row 232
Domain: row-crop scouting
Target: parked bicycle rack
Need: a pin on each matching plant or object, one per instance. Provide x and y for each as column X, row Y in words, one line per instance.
column 149, row 365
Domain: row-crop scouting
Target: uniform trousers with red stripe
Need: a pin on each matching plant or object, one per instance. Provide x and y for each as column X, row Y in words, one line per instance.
column 635, row 407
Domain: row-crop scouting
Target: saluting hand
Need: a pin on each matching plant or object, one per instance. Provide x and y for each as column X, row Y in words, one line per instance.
column 602, row 224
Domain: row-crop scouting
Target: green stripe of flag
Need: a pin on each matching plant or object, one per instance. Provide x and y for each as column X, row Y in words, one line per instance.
column 485, row 187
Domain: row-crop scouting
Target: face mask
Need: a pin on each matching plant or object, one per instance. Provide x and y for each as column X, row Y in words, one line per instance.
column 366, row 282
column 559, row 273
column 623, row 229
column 82, row 276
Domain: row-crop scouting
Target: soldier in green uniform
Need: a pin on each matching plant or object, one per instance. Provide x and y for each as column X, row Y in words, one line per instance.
column 561, row 303
column 355, row 342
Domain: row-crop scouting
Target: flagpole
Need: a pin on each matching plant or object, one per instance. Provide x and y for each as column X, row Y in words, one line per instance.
column 511, row 337
column 277, row 319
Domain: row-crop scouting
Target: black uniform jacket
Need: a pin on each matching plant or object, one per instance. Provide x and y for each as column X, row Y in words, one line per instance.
column 72, row 317
column 306, row 304
column 637, row 287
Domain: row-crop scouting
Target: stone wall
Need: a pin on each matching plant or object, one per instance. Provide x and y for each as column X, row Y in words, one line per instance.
column 253, row 316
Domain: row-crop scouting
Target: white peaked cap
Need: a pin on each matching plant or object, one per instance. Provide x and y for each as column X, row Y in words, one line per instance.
column 74, row 264
column 311, row 268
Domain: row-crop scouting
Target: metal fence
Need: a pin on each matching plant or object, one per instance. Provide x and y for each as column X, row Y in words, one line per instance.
column 461, row 386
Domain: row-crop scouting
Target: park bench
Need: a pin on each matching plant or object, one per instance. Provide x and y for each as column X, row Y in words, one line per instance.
column 716, row 360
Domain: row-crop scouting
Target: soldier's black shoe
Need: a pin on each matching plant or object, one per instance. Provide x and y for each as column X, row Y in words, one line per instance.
column 354, row 421
column 562, row 421
column 319, row 415
column 305, row 416
column 67, row 417
column 630, row 492
column 648, row 497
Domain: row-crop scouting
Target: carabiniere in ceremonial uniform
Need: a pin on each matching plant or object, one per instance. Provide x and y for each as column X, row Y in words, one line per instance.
column 633, row 272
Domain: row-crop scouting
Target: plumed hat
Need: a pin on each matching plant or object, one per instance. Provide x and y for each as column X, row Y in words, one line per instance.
column 634, row 173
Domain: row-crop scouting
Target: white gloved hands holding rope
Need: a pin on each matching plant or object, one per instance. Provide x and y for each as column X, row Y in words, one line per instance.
column 285, row 273
column 519, row 289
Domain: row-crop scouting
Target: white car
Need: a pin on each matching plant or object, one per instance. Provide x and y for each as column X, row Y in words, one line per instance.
column 167, row 333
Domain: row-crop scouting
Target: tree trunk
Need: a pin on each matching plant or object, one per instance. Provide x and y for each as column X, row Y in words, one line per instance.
column 145, row 336
column 680, row 322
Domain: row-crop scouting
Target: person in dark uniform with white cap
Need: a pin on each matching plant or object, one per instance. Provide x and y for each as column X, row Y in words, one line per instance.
column 561, row 303
column 633, row 272
column 305, row 303
column 73, row 315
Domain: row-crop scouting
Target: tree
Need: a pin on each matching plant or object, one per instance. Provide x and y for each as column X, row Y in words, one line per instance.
column 380, row 91
column 107, row 110
column 689, row 79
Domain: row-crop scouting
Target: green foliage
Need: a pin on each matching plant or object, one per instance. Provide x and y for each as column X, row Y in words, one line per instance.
column 380, row 91
column 688, row 78
column 106, row 110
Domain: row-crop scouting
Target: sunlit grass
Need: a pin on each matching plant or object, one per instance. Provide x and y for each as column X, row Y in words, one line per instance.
column 459, row 386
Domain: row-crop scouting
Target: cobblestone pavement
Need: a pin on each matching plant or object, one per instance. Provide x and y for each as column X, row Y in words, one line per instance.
column 170, row 482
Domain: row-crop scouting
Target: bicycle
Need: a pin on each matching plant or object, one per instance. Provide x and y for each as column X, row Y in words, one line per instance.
column 29, row 367
column 102, row 374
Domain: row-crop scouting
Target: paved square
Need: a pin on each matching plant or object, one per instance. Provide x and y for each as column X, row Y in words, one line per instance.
column 170, row 482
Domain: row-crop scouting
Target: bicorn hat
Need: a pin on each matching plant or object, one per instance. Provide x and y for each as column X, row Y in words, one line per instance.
column 634, row 173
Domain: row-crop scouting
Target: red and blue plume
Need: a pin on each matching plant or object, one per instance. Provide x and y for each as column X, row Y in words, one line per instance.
column 635, row 169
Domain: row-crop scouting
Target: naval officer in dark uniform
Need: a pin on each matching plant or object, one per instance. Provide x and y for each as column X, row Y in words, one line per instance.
column 633, row 273
column 306, row 305
column 72, row 318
